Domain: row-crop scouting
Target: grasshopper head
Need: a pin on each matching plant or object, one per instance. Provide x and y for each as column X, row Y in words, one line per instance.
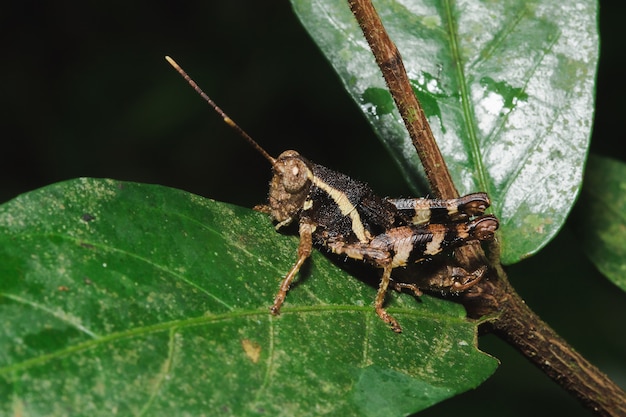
column 292, row 176
column 289, row 186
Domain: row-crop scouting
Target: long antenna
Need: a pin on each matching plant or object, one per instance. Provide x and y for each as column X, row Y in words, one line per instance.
column 219, row 111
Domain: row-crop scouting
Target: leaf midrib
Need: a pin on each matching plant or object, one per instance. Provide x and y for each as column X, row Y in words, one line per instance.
column 214, row 318
column 466, row 103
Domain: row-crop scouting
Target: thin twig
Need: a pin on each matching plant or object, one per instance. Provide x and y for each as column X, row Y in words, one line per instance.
column 511, row 318
column 390, row 62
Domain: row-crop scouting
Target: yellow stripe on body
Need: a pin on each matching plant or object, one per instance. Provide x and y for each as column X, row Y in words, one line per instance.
column 346, row 208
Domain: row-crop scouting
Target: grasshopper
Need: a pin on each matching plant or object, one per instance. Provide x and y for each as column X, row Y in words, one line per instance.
column 345, row 216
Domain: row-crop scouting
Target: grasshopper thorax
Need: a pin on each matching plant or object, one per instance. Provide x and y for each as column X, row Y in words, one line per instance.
column 289, row 186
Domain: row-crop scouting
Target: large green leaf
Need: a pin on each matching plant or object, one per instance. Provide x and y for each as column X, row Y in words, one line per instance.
column 600, row 218
column 508, row 89
column 121, row 298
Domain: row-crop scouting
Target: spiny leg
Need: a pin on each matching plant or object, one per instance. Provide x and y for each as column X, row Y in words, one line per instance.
column 380, row 300
column 304, row 251
column 426, row 210
column 469, row 278
column 399, row 286
column 379, row 257
column 451, row 279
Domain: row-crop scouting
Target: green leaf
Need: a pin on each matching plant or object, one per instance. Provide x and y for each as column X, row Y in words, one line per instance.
column 507, row 87
column 600, row 217
column 121, row 298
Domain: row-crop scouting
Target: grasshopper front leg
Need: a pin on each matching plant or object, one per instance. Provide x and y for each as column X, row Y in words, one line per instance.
column 304, row 252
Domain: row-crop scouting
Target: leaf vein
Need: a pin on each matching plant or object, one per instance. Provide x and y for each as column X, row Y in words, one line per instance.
column 474, row 149
column 61, row 315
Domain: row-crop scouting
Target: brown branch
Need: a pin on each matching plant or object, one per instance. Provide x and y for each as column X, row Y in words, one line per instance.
column 518, row 325
column 390, row 62
column 512, row 320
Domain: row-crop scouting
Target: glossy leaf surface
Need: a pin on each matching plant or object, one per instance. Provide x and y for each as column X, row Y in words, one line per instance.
column 507, row 87
column 600, row 218
column 129, row 299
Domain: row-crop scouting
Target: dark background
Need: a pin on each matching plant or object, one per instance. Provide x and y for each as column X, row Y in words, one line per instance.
column 86, row 92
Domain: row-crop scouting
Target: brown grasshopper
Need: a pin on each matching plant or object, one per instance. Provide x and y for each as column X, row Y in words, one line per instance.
column 345, row 216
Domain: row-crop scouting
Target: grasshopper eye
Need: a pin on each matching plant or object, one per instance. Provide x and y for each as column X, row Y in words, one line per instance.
column 295, row 175
column 293, row 171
